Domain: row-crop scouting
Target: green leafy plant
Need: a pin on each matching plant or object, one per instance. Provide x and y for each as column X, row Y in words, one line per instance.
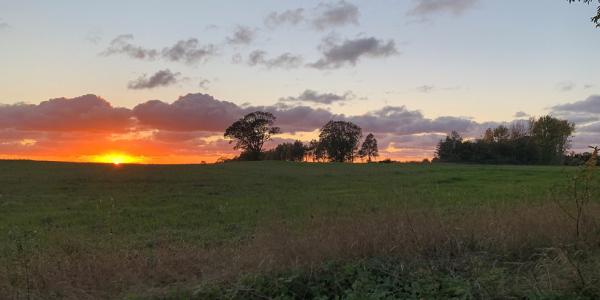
column 575, row 192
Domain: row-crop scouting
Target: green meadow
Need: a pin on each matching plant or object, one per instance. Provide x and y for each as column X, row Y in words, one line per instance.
column 99, row 231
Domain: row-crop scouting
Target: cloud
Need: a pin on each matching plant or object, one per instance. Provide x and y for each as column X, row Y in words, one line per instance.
column 565, row 86
column 242, row 35
column 587, row 86
column 521, row 114
column 192, row 112
column 93, row 36
column 315, row 97
column 324, row 16
column 398, row 120
column 204, row 84
column 162, row 78
column 425, row 88
column 350, row 51
column 593, row 128
column 335, row 14
column 121, row 45
column 88, row 113
column 589, row 105
column 292, row 17
column 425, row 8
column 187, row 51
column 259, row 57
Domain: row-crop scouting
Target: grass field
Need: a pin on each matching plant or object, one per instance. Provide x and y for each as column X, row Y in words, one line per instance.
column 103, row 231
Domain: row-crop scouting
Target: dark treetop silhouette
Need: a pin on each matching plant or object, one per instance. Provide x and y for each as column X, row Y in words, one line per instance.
column 340, row 140
column 251, row 132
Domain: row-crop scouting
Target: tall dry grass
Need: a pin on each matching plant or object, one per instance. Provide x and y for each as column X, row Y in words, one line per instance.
column 536, row 243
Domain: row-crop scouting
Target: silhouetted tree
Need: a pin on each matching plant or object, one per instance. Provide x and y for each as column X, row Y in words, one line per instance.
column 551, row 136
column 541, row 141
column 340, row 140
column 251, row 132
column 369, row 148
column 595, row 19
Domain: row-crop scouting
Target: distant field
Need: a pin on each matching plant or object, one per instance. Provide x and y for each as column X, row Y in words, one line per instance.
column 62, row 218
column 211, row 203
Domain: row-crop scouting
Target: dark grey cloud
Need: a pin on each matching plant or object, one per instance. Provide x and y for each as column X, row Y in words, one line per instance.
column 325, row 98
column 242, row 35
column 189, row 51
column 88, row 113
column 186, row 51
column 162, row 78
column 292, row 17
column 589, row 105
column 336, row 14
column 521, row 114
column 398, row 120
column 425, row 8
column 260, row 58
column 324, row 16
column 121, row 45
column 565, row 86
column 587, row 86
column 204, row 84
column 200, row 112
column 593, row 128
column 337, row 55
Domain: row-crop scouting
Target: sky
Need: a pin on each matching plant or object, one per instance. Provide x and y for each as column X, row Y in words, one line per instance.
column 160, row 81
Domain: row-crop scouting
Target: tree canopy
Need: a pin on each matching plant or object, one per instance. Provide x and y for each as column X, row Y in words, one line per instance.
column 537, row 141
column 369, row 148
column 251, row 132
column 340, row 140
column 595, row 19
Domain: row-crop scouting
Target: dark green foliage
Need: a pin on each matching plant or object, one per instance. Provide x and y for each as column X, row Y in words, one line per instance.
column 543, row 141
column 340, row 140
column 369, row 148
column 250, row 133
column 287, row 152
column 374, row 278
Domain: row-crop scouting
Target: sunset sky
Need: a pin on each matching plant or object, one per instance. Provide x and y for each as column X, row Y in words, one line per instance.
column 160, row 81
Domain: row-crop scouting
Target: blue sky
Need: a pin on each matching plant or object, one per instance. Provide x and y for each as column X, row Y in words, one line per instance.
column 476, row 60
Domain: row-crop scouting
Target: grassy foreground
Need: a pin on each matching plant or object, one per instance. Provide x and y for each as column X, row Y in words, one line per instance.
column 99, row 231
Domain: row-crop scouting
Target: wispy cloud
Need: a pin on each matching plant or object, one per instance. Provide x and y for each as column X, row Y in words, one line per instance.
column 324, row 16
column 426, row 8
column 260, row 58
column 187, row 51
column 162, row 78
column 521, row 114
column 242, row 35
column 337, row 55
column 565, row 86
column 324, row 98
column 204, row 84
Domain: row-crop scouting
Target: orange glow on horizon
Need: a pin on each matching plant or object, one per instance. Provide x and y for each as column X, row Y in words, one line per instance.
column 118, row 159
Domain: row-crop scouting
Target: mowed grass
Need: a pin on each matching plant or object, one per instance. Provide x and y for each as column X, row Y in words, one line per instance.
column 207, row 204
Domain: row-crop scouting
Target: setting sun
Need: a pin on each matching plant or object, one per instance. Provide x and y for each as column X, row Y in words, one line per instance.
column 118, row 159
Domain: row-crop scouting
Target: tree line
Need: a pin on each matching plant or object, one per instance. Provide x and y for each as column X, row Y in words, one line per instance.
column 544, row 141
column 338, row 141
